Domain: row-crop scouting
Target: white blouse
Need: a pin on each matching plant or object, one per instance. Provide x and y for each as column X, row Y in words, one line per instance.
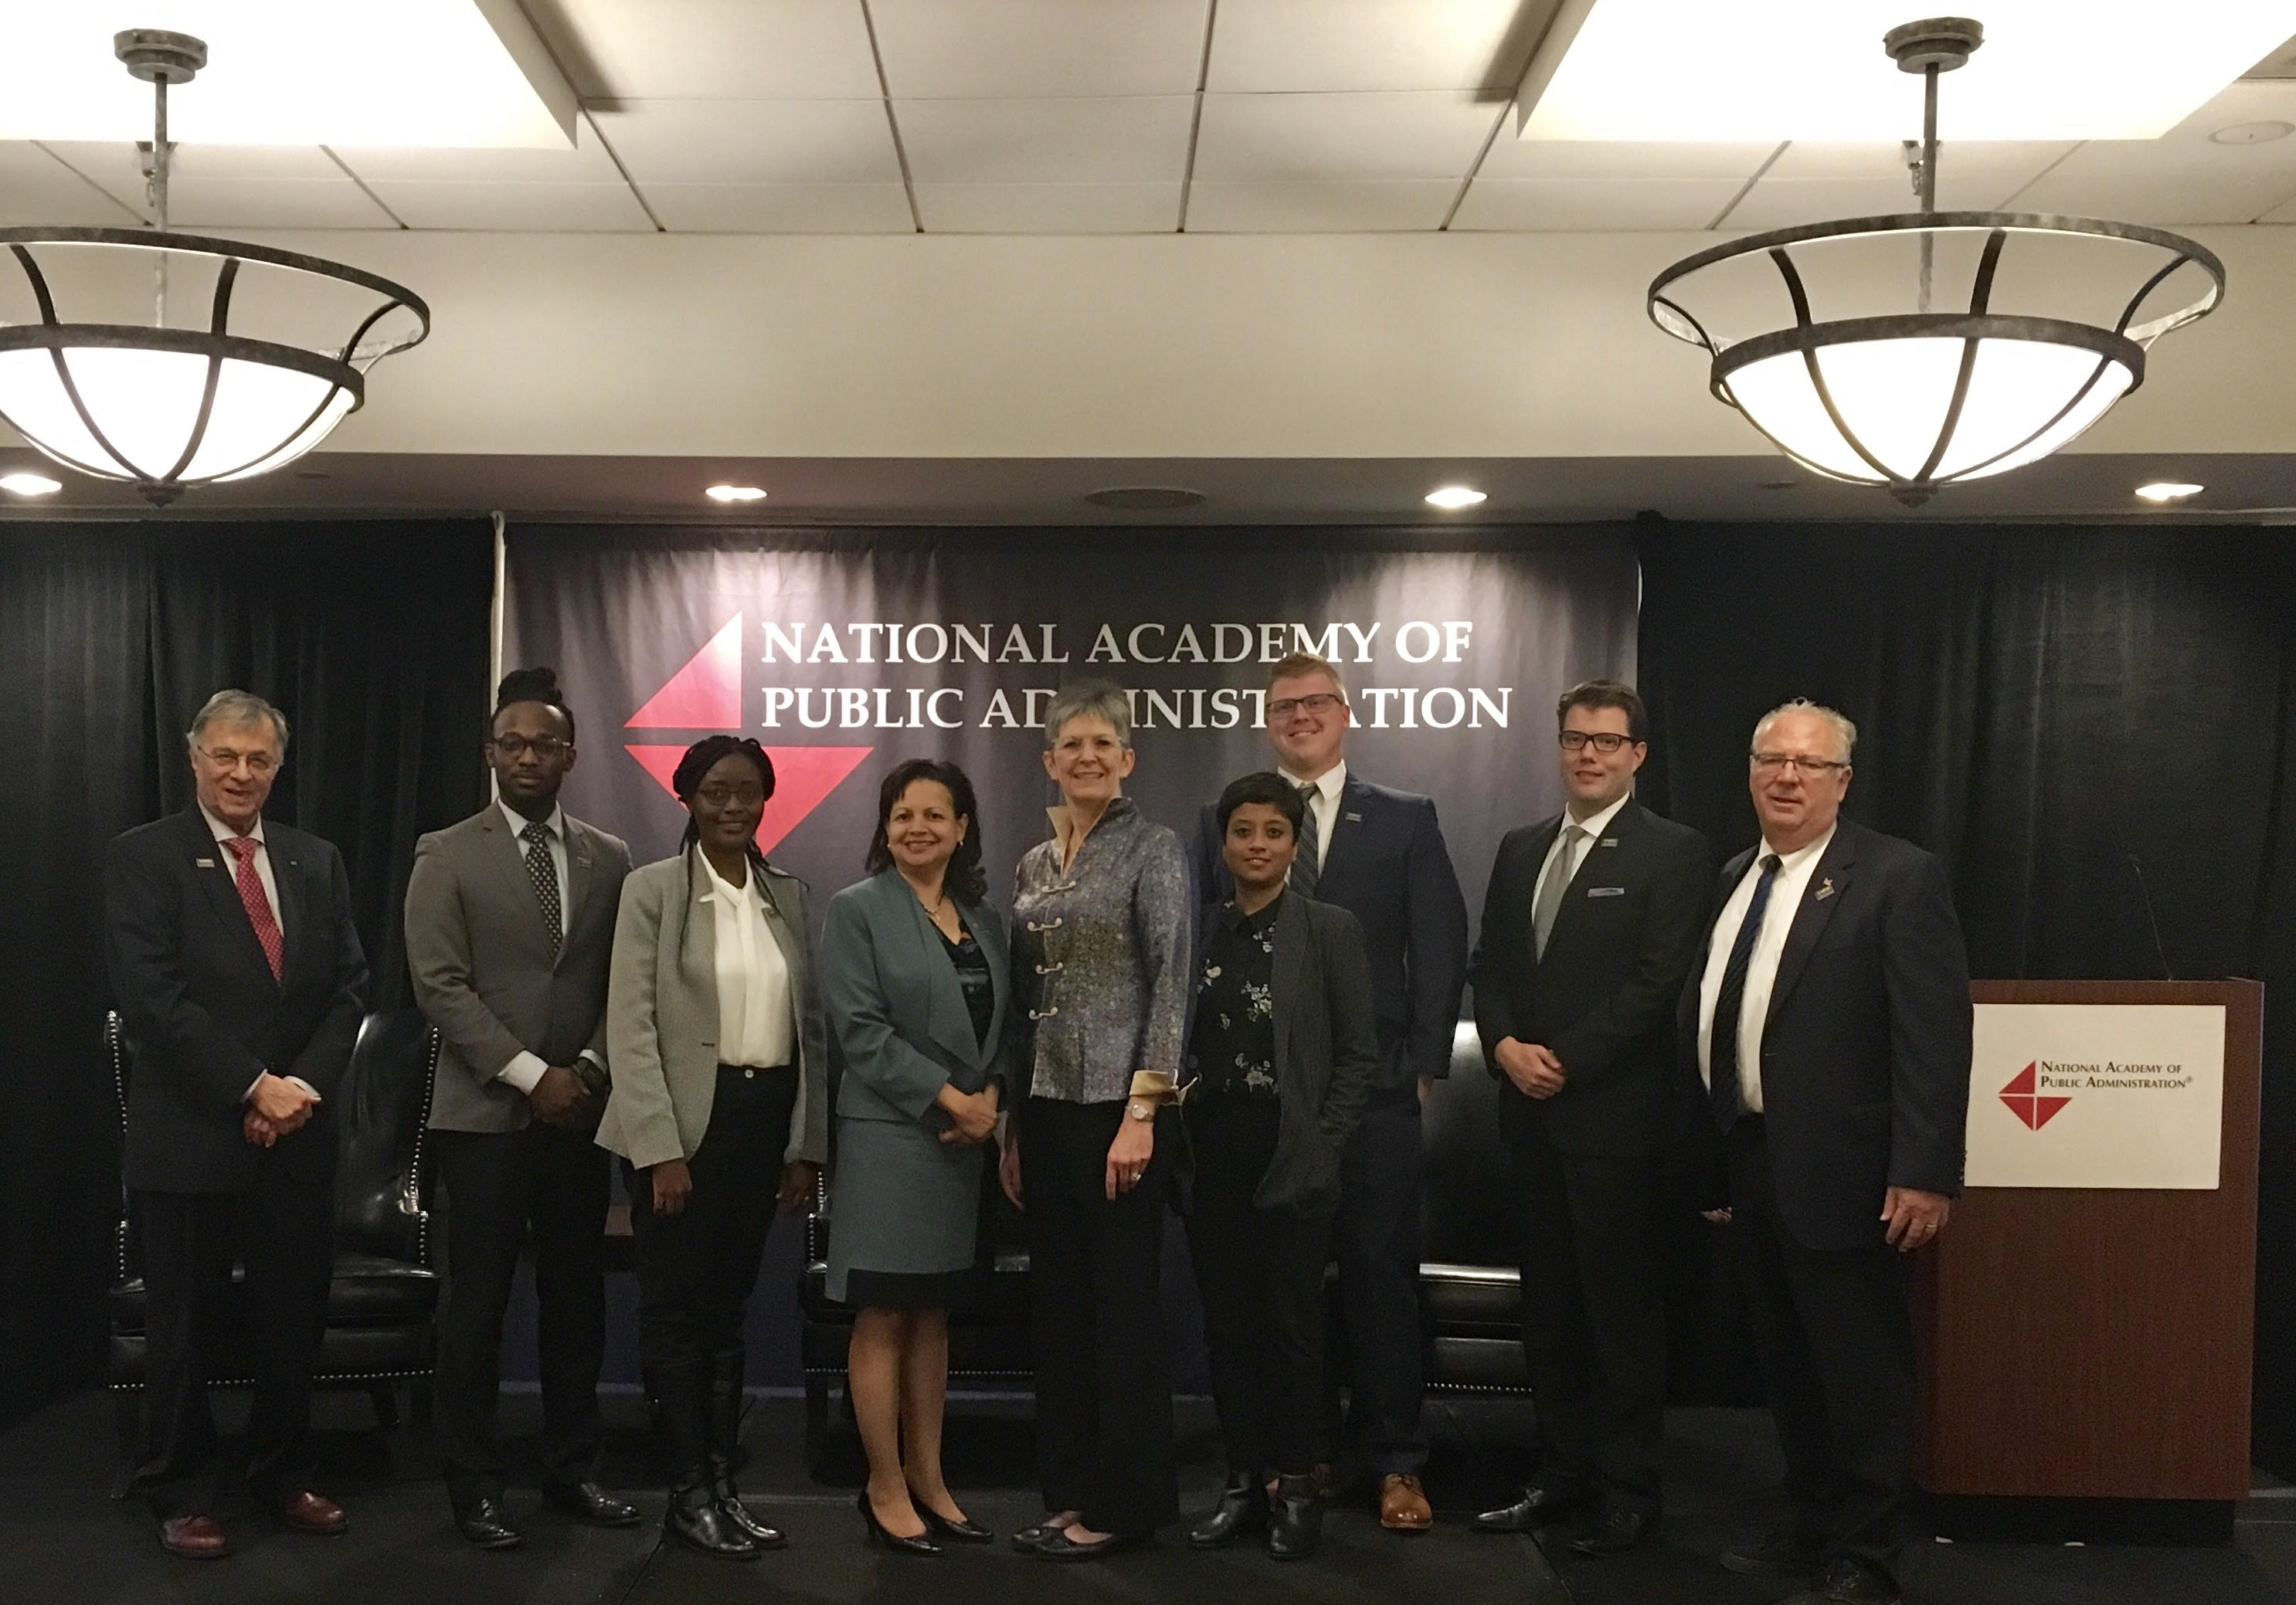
column 756, row 1025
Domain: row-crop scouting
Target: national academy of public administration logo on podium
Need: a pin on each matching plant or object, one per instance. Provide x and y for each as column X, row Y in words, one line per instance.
column 2027, row 1102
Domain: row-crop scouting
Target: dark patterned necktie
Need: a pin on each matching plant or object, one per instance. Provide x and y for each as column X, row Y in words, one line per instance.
column 536, row 837
column 259, row 907
column 1305, row 869
column 1722, row 1042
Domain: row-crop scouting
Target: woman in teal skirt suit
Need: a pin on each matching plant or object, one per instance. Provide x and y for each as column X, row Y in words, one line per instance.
column 915, row 980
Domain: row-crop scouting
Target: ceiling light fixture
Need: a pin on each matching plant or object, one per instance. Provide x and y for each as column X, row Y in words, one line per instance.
column 734, row 493
column 168, row 408
column 1452, row 497
column 2168, row 490
column 30, row 485
column 1810, row 336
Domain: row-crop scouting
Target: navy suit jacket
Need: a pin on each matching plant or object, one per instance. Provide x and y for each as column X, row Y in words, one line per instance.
column 1387, row 864
column 204, row 1016
column 1865, row 1048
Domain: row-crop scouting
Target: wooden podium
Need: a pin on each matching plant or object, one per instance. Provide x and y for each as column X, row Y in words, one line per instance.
column 2087, row 1352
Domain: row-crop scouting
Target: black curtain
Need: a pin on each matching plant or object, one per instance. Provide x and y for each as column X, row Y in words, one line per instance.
column 2069, row 716
column 370, row 636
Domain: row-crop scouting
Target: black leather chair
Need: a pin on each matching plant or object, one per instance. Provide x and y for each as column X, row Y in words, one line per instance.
column 1471, row 1254
column 382, row 1309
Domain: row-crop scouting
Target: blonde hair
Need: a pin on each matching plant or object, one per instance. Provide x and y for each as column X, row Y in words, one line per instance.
column 1295, row 664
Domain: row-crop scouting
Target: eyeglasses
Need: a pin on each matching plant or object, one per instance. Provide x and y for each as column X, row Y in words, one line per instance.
column 1604, row 742
column 515, row 747
column 1318, row 702
column 727, row 796
column 1770, row 763
column 223, row 757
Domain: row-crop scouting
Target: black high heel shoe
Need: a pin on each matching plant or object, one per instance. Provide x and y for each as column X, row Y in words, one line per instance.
column 962, row 1530
column 872, row 1529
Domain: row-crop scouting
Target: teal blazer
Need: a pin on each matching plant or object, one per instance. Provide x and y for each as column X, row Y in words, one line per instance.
column 894, row 1006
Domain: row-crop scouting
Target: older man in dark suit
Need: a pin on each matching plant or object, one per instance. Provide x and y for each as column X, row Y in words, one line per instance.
column 234, row 963
column 1380, row 855
column 1829, row 1022
column 510, row 927
column 1590, row 926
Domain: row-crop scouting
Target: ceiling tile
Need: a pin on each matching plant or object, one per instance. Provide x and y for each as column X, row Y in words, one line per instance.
column 1111, row 140
column 1292, row 45
column 1618, row 160
column 1593, row 206
column 118, row 164
column 440, row 203
column 1811, row 183
column 1354, row 207
column 36, row 189
column 1255, row 138
column 729, row 50
column 231, row 203
column 990, row 49
column 752, row 141
column 587, row 163
column 780, row 209
column 1049, row 209
column 2183, row 177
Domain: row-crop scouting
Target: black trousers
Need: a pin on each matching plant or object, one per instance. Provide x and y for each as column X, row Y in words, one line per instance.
column 1376, row 1239
column 1835, row 1336
column 1103, row 1381
column 550, row 1185
column 696, row 1268
column 282, row 1233
column 1594, row 1309
column 1261, row 1274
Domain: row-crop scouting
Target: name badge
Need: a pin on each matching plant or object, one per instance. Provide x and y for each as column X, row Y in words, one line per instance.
column 1823, row 892
column 1606, row 891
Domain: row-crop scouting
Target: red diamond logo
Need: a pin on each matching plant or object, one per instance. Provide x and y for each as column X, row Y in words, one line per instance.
column 2026, row 1102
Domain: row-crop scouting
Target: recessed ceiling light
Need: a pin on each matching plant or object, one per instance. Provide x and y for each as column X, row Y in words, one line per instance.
column 734, row 493
column 1145, row 498
column 1453, row 496
column 2253, row 134
column 30, row 485
column 2168, row 490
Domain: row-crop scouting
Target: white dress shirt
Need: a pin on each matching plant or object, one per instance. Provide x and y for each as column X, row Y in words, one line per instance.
column 1795, row 870
column 1565, row 856
column 1322, row 796
column 756, row 1024
column 224, row 834
column 524, row 1071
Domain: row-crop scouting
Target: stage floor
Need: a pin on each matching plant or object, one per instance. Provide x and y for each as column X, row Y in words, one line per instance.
column 64, row 1540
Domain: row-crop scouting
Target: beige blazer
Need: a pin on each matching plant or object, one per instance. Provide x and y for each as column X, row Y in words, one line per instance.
column 661, row 1014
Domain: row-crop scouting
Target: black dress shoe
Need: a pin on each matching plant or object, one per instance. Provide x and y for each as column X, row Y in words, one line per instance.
column 1777, row 1555
column 484, row 1524
column 590, row 1504
column 1847, row 1582
column 1541, row 1504
column 1295, row 1520
column 960, row 1530
column 1059, row 1547
column 1615, row 1531
column 874, row 1531
column 695, row 1520
column 1242, row 1509
column 1028, row 1537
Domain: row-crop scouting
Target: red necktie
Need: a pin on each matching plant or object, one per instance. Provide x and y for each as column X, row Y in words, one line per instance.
column 259, row 907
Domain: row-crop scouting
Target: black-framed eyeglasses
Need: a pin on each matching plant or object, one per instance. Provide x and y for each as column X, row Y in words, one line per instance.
column 1770, row 763
column 1604, row 742
column 515, row 747
column 1314, row 702
column 725, row 796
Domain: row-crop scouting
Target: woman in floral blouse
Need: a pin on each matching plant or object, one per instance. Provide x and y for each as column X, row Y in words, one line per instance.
column 1101, row 917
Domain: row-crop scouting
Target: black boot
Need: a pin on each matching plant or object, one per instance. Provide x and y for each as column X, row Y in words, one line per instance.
column 726, row 1368
column 680, row 1393
column 1295, row 1520
column 1242, row 1508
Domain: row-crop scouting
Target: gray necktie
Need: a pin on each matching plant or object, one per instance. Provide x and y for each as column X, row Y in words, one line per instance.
column 1558, row 881
column 1305, row 869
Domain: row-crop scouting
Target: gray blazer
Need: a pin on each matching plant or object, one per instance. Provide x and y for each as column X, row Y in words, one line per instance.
column 479, row 955
column 893, row 999
column 661, row 1014
column 1326, row 1050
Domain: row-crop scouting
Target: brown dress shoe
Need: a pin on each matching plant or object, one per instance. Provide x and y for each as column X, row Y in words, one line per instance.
column 314, row 1513
column 193, row 1537
column 1402, row 1505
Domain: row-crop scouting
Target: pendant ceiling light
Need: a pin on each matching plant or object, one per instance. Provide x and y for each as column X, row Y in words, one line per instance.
column 2024, row 328
column 272, row 352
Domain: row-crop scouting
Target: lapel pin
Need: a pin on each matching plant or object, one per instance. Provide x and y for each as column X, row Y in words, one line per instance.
column 1608, row 841
column 1824, row 891
column 1357, row 818
column 205, row 863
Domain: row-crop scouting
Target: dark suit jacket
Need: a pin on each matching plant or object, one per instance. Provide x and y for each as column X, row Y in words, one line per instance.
column 203, row 1015
column 1326, row 1049
column 1603, row 998
column 1865, row 1047
column 1387, row 866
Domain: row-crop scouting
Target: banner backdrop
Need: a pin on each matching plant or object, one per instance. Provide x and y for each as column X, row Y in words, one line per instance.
column 846, row 652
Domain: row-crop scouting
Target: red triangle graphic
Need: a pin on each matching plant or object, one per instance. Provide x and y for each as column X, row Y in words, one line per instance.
column 2023, row 1108
column 803, row 778
column 2021, row 1084
column 706, row 692
column 2043, row 1107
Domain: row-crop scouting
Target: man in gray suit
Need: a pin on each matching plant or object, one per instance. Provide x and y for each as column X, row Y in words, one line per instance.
column 509, row 925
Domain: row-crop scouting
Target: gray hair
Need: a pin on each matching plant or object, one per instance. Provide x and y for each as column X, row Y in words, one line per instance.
column 1089, row 699
column 1844, row 730
column 236, row 707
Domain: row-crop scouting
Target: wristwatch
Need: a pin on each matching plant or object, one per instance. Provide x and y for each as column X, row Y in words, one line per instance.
column 1140, row 1109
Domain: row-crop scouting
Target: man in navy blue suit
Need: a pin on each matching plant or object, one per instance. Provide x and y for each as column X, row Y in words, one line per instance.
column 1380, row 855
column 235, row 964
